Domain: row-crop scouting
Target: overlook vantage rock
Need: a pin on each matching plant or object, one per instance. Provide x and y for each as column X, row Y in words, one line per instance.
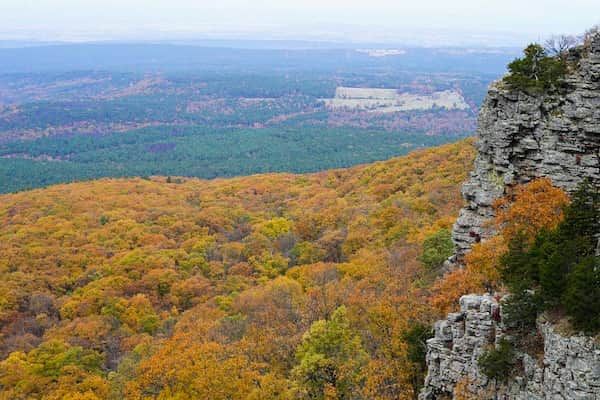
column 522, row 137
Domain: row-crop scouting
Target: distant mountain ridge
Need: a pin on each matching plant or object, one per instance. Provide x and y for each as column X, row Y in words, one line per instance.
column 169, row 57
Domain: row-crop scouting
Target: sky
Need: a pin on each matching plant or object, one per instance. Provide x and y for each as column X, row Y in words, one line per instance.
column 494, row 22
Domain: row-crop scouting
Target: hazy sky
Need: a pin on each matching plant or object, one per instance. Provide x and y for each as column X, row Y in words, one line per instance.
column 357, row 20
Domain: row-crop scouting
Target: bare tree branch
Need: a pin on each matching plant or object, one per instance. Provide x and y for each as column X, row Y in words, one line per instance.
column 559, row 45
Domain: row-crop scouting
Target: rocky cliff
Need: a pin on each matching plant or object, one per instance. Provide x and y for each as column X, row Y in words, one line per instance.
column 569, row 368
column 521, row 137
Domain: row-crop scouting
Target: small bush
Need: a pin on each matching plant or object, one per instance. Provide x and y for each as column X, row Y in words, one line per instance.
column 520, row 311
column 499, row 362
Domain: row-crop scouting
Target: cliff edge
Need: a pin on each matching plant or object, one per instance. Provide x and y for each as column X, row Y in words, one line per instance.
column 568, row 369
column 521, row 137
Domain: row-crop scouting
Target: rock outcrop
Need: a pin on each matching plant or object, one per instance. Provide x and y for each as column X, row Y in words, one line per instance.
column 522, row 137
column 570, row 368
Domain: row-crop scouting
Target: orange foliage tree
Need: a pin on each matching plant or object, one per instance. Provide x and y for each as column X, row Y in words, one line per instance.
column 524, row 212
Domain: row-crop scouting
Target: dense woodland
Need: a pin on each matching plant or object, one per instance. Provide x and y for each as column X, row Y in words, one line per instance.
column 274, row 286
column 200, row 152
column 263, row 287
column 278, row 286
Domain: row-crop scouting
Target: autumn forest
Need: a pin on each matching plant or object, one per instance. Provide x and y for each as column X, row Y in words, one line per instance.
column 226, row 289
column 274, row 286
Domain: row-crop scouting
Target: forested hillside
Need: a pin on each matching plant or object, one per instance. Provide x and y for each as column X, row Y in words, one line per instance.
column 264, row 287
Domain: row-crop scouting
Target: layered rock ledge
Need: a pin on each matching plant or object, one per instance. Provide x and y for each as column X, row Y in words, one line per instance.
column 569, row 369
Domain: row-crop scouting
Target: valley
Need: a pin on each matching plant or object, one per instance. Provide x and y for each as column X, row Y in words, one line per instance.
column 299, row 200
column 386, row 280
column 226, row 112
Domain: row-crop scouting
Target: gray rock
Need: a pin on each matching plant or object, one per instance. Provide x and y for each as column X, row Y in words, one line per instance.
column 522, row 137
column 569, row 370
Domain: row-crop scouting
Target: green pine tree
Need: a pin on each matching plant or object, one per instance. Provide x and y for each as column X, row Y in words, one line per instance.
column 582, row 295
column 536, row 72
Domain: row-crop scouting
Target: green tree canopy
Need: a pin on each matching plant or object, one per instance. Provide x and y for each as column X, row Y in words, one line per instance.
column 536, row 72
column 436, row 249
column 330, row 359
column 561, row 267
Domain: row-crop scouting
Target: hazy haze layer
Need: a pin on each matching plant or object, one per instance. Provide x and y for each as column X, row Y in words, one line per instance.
column 509, row 22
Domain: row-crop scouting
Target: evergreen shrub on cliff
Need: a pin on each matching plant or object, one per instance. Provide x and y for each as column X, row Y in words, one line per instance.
column 498, row 363
column 582, row 295
column 561, row 267
column 536, row 72
column 520, row 312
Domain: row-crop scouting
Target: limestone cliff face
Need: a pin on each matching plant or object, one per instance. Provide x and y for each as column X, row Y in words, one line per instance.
column 522, row 137
column 570, row 368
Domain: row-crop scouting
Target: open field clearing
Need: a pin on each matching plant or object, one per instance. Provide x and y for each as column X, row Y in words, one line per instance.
column 390, row 100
